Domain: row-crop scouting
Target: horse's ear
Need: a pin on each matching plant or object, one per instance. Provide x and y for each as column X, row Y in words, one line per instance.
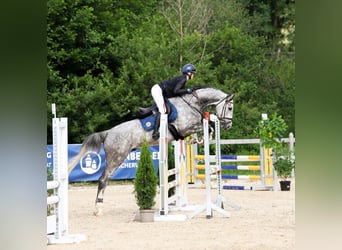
column 231, row 96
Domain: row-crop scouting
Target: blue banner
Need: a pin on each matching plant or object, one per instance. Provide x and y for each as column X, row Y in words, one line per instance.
column 92, row 164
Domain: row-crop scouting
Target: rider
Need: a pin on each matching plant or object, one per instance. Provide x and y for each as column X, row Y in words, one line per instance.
column 170, row 88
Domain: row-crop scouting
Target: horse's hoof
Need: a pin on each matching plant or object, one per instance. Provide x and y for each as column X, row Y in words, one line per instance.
column 97, row 213
column 98, row 209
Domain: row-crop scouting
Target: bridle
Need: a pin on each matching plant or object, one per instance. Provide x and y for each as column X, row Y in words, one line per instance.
column 228, row 103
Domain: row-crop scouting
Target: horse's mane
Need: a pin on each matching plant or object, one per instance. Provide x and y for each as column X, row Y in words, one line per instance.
column 200, row 86
column 196, row 87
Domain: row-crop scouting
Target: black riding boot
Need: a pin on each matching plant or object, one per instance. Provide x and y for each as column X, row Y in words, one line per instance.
column 155, row 135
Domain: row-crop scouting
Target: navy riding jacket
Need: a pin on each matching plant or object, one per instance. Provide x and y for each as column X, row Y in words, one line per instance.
column 174, row 87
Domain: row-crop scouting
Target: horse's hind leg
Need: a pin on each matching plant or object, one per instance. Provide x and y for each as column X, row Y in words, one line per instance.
column 103, row 181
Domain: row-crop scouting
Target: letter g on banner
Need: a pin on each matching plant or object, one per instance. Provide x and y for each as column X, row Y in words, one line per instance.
column 90, row 162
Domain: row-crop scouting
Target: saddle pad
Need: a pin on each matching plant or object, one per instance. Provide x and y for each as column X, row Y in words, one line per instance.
column 148, row 122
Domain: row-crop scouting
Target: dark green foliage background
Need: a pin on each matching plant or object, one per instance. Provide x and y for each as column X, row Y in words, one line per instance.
column 104, row 56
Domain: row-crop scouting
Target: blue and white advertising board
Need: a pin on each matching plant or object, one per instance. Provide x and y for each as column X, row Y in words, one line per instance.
column 92, row 164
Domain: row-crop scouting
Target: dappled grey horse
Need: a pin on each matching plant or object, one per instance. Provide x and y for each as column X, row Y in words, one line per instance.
column 121, row 139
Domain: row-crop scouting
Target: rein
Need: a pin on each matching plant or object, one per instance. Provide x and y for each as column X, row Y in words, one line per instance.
column 189, row 104
column 223, row 111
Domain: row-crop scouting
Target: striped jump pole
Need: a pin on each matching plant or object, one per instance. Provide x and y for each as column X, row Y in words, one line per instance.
column 241, row 167
column 237, row 187
column 242, row 177
column 227, row 158
column 231, row 158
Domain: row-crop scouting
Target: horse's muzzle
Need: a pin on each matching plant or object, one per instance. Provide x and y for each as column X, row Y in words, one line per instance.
column 227, row 124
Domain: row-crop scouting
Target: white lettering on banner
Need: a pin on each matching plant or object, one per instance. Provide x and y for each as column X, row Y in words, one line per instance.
column 133, row 156
column 155, row 155
column 49, row 156
column 129, row 165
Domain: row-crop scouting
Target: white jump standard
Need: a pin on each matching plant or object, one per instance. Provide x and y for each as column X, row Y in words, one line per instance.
column 57, row 224
column 180, row 197
column 220, row 199
column 209, row 205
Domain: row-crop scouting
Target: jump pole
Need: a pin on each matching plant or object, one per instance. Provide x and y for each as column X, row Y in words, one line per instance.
column 59, row 226
column 209, row 205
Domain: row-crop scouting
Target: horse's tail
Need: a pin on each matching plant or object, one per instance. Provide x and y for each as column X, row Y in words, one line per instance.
column 91, row 143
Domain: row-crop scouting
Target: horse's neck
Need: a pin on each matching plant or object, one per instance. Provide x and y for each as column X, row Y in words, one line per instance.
column 209, row 97
column 206, row 97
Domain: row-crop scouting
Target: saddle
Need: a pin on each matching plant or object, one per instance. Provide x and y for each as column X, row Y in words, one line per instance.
column 147, row 117
column 145, row 112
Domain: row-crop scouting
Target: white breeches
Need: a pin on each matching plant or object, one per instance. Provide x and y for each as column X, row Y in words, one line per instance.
column 158, row 98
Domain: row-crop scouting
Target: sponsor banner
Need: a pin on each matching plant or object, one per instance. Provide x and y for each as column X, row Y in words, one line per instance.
column 92, row 164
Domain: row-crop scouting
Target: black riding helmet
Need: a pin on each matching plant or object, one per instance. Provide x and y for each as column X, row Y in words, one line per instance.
column 188, row 68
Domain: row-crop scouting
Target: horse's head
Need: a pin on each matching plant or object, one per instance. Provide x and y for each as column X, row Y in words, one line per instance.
column 224, row 111
column 207, row 96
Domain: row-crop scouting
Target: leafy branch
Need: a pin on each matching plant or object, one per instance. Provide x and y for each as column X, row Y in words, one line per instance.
column 270, row 132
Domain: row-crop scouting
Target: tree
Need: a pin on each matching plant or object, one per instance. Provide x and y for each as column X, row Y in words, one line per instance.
column 83, row 62
column 189, row 21
column 105, row 55
column 274, row 20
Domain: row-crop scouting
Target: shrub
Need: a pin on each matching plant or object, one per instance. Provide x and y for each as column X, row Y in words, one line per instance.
column 145, row 182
